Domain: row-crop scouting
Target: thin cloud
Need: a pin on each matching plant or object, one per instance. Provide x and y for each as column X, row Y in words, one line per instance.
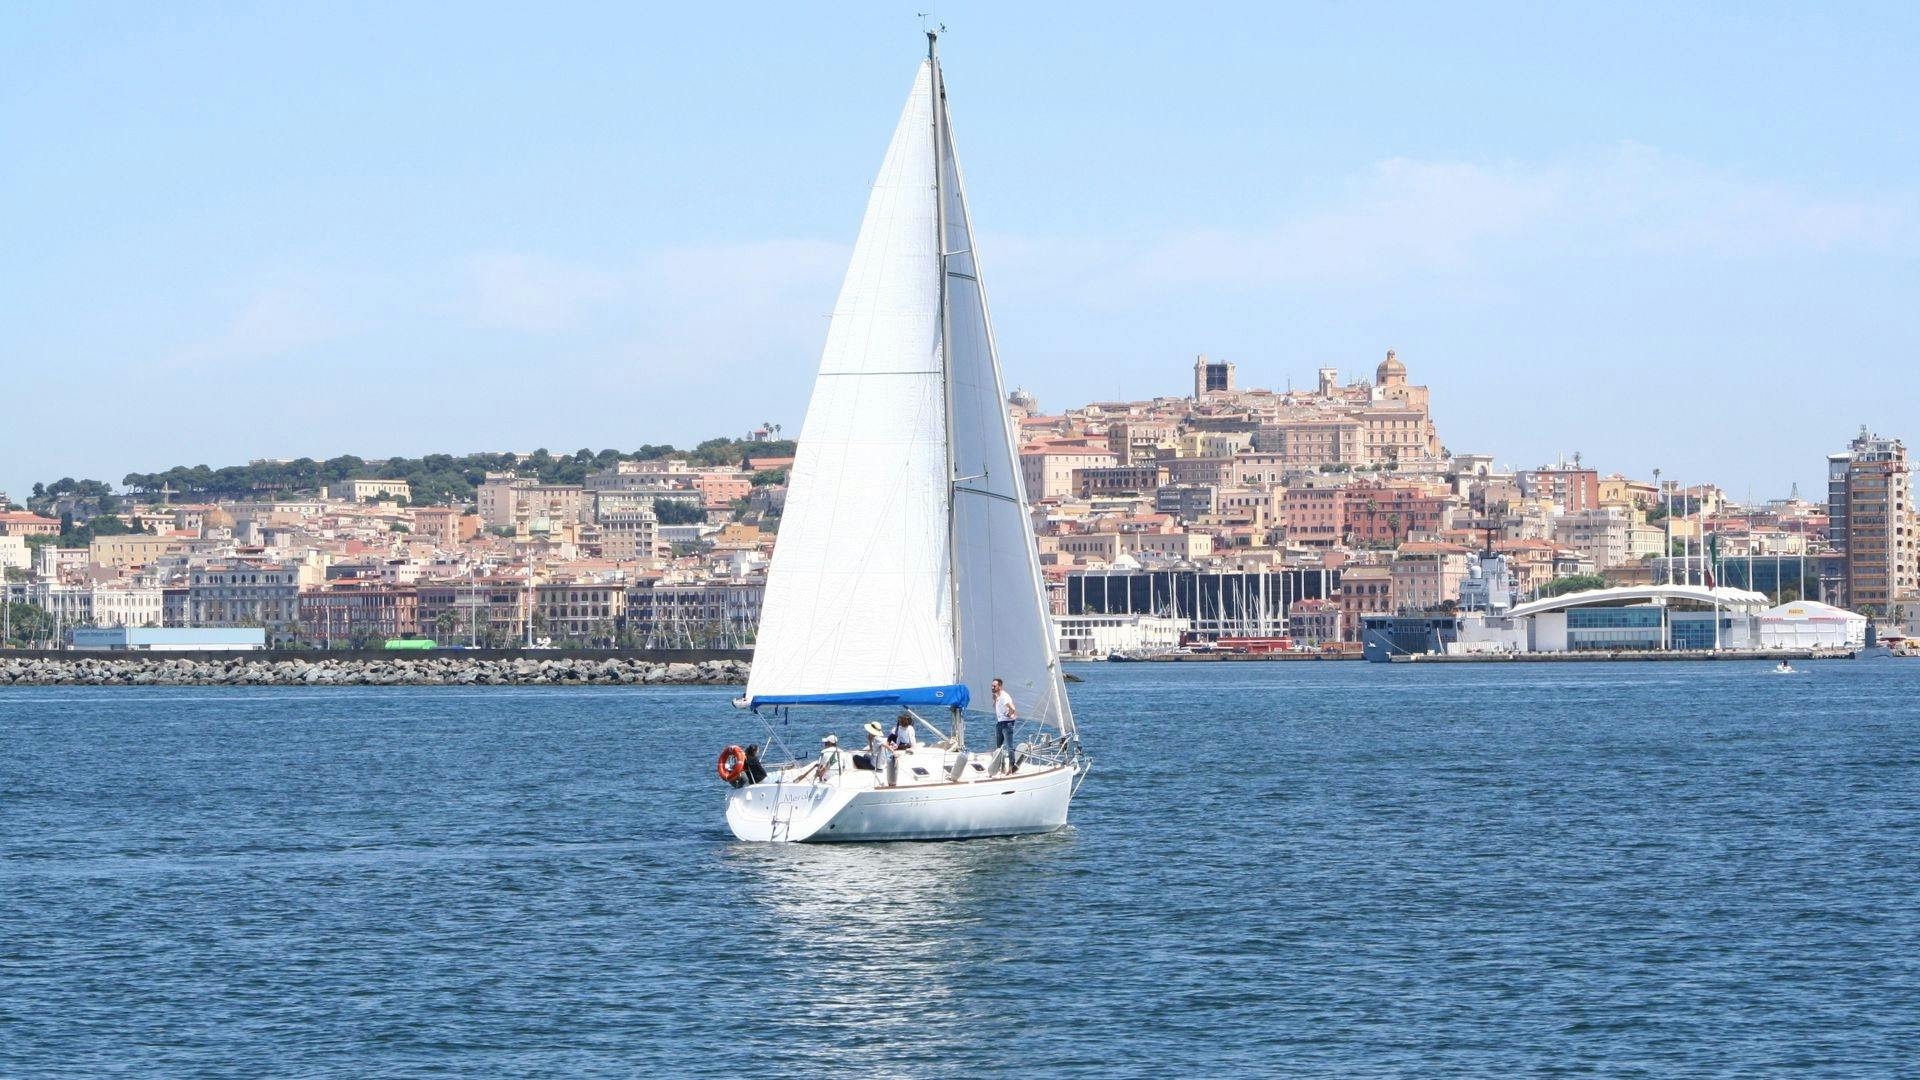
column 1475, row 223
column 683, row 293
column 271, row 323
column 535, row 294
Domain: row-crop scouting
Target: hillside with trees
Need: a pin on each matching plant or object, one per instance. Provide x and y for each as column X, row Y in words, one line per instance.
column 435, row 479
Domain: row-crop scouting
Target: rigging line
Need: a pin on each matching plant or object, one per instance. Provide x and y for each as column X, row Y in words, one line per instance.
column 824, row 374
column 958, row 490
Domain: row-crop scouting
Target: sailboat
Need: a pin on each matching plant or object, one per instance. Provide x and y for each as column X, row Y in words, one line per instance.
column 905, row 578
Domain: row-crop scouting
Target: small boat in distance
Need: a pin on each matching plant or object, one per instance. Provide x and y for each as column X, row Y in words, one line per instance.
column 1784, row 668
column 905, row 579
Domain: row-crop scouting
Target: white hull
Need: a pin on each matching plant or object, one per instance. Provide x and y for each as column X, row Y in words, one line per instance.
column 1033, row 800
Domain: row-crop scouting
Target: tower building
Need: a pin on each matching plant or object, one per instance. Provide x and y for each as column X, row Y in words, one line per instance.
column 1870, row 507
column 1211, row 377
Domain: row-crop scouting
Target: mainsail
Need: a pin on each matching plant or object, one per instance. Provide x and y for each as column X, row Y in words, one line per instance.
column 894, row 519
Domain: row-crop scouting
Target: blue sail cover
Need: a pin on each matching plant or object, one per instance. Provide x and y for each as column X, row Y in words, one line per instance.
column 953, row 696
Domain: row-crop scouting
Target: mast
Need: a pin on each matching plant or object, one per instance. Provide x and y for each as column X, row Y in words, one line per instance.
column 946, row 351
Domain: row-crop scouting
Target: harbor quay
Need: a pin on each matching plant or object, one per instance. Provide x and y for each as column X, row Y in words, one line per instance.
column 1499, row 658
column 1622, row 657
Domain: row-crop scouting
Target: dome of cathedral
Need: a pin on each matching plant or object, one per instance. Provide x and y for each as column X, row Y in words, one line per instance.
column 1390, row 367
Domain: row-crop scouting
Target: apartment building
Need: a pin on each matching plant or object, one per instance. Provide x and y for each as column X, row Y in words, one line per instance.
column 1602, row 534
column 1571, row 488
column 1364, row 590
column 358, row 611
column 719, row 491
column 1214, row 472
column 133, row 549
column 443, row 526
column 1186, row 501
column 1315, row 440
column 25, row 523
column 579, row 612
column 246, row 593
column 367, row 490
column 1103, row 547
column 123, row 603
column 1427, row 574
column 13, row 553
column 1047, row 471
column 706, row 614
column 483, row 610
column 1116, row 480
column 1180, row 545
column 1371, row 513
column 1871, row 502
column 1312, row 623
column 1135, row 442
column 507, row 500
column 629, row 535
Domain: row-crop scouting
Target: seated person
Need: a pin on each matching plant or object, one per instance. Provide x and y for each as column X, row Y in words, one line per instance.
column 830, row 759
column 901, row 737
column 866, row 760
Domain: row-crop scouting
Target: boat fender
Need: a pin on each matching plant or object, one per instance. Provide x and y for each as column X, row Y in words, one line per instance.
column 732, row 764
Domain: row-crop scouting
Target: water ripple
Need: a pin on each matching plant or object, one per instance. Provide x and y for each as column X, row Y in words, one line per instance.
column 1276, row 869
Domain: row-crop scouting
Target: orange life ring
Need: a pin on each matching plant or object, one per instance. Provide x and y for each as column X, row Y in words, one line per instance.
column 733, row 762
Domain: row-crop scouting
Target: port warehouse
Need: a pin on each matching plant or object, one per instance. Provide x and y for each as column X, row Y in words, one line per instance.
column 169, row 639
column 1657, row 618
column 1214, row 603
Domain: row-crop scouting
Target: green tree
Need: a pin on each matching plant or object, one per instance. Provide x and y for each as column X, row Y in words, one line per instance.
column 27, row 624
column 678, row 512
column 1573, row 583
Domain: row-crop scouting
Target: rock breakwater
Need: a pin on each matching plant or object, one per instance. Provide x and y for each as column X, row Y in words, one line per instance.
column 421, row 671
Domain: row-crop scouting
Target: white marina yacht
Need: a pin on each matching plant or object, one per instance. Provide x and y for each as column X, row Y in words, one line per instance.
column 905, row 578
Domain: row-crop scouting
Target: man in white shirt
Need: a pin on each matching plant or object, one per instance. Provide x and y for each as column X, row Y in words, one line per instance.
column 1005, row 717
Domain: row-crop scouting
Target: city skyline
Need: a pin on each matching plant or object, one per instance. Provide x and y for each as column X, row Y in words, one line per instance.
column 1664, row 255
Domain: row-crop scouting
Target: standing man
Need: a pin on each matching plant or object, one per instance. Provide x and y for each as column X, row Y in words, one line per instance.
column 1005, row 716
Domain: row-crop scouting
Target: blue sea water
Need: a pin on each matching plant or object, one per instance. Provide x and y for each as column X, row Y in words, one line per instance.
column 1329, row 869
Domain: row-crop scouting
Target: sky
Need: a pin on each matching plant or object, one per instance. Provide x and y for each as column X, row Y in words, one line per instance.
column 1675, row 236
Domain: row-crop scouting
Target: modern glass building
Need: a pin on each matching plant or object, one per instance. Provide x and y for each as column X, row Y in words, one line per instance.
column 1603, row 628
